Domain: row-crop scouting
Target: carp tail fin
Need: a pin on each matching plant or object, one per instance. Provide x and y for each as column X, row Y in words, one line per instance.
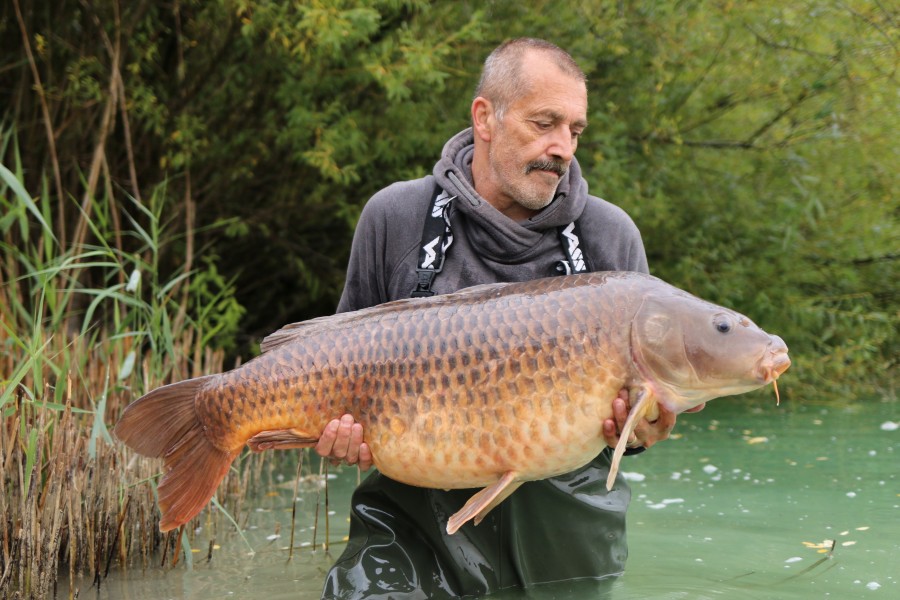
column 639, row 407
column 194, row 469
column 164, row 424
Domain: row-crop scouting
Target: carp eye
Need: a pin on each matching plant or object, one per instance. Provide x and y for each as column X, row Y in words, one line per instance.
column 722, row 325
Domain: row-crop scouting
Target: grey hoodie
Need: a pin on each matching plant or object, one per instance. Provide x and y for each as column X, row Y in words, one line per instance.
column 563, row 528
column 488, row 246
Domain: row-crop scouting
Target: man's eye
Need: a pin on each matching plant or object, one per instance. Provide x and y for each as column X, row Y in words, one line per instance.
column 543, row 125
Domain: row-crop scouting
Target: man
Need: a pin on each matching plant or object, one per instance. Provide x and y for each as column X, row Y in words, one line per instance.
column 513, row 186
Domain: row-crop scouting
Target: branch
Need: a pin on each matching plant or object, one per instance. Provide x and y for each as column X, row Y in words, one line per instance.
column 106, row 124
column 780, row 46
column 48, row 125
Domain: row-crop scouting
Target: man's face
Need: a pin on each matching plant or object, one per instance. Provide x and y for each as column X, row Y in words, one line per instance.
column 534, row 143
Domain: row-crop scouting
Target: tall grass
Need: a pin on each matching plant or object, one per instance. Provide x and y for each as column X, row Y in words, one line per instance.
column 84, row 330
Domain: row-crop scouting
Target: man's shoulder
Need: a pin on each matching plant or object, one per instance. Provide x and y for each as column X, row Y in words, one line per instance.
column 598, row 209
column 402, row 196
column 611, row 237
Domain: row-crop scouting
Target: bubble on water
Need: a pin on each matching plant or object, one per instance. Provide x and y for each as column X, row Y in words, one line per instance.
column 676, row 475
column 794, row 559
column 873, row 585
column 851, row 494
column 710, row 469
column 890, row 426
column 632, row 476
column 672, row 500
column 272, row 537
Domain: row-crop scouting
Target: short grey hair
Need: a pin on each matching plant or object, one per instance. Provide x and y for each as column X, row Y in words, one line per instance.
column 502, row 81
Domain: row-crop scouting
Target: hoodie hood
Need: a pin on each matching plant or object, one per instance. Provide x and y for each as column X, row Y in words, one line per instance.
column 493, row 231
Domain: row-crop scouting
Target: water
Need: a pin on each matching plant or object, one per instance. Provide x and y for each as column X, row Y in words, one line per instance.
column 744, row 502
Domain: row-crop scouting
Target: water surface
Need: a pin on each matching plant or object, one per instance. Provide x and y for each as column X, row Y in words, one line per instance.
column 747, row 501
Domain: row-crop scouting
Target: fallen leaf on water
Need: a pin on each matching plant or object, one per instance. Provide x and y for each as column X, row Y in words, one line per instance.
column 823, row 545
column 848, row 543
column 758, row 440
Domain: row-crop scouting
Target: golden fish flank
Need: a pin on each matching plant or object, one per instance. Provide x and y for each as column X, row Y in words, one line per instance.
column 488, row 387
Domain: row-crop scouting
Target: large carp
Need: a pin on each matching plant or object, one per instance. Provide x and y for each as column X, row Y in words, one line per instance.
column 487, row 387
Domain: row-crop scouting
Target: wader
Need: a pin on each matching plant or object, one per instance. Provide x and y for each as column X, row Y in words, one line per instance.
column 567, row 528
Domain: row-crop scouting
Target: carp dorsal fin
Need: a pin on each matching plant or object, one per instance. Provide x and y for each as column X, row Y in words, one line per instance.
column 298, row 331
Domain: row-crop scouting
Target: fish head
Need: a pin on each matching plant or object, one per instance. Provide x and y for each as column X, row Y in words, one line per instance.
column 693, row 351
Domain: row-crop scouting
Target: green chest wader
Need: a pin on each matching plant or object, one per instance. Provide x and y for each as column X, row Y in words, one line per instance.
column 564, row 529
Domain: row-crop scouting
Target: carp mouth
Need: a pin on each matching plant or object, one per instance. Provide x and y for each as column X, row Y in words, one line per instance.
column 770, row 371
column 775, row 361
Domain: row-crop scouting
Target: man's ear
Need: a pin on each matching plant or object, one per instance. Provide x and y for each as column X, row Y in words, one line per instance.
column 483, row 118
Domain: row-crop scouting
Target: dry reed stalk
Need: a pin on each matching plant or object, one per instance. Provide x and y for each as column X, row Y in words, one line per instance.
column 85, row 514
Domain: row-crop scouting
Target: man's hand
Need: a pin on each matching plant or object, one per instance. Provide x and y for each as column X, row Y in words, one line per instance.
column 646, row 433
column 342, row 442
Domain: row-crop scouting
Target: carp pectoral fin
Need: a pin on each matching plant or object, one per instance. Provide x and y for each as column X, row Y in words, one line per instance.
column 280, row 439
column 641, row 402
column 484, row 501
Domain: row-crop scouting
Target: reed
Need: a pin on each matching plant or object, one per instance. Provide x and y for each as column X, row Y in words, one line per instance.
column 84, row 330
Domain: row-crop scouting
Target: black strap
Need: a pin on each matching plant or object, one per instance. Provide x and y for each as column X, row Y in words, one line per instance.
column 576, row 261
column 436, row 238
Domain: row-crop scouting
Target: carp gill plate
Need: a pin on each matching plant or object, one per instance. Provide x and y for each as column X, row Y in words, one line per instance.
column 487, row 387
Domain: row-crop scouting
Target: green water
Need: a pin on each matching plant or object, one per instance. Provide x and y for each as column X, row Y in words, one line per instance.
column 730, row 508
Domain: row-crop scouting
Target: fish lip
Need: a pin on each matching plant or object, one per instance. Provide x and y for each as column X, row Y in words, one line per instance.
column 771, row 369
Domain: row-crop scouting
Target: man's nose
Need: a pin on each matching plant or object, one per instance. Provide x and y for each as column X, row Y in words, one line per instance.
column 563, row 144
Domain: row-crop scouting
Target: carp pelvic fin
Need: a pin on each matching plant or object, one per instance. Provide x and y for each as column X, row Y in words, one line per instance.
column 164, row 424
column 641, row 402
column 484, row 501
column 281, row 439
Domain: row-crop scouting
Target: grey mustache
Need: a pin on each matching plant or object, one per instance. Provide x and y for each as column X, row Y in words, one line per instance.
column 559, row 168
